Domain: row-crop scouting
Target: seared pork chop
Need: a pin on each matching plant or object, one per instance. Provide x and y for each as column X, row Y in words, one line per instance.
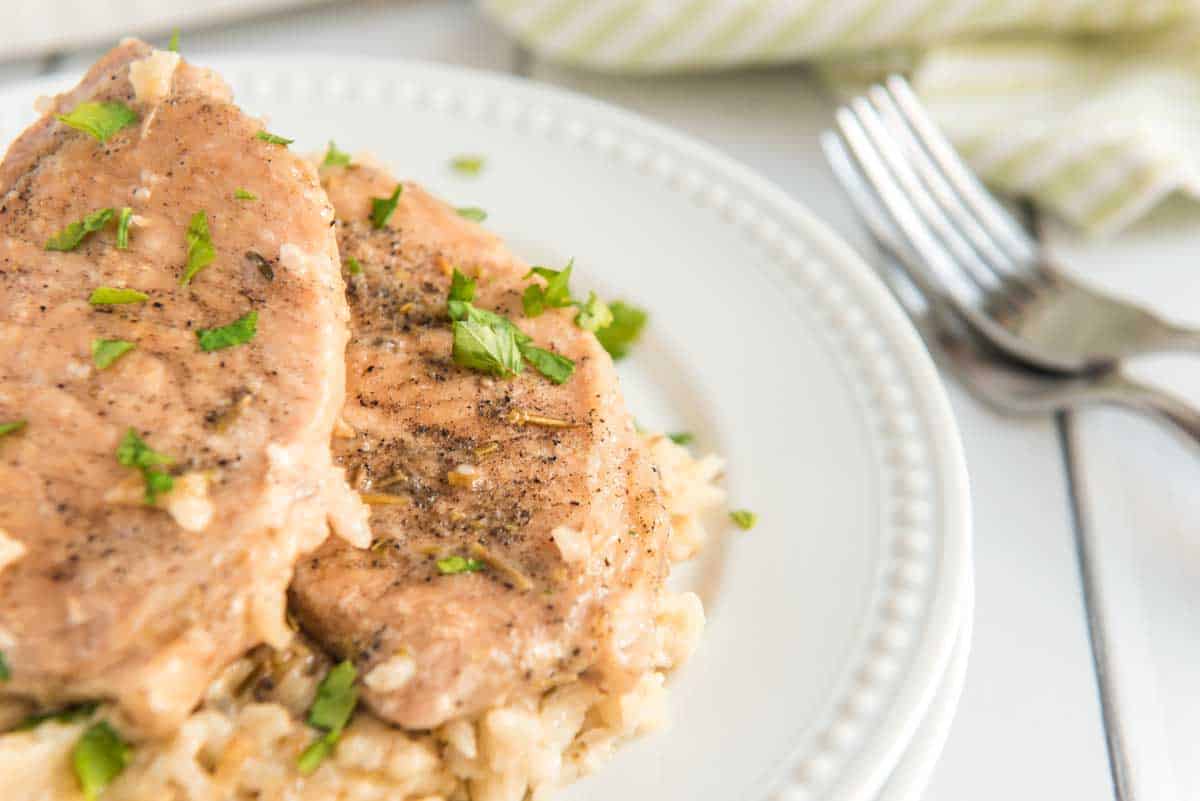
column 121, row 583
column 519, row 534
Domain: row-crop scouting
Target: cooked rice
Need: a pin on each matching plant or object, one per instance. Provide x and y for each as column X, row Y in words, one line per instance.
column 242, row 744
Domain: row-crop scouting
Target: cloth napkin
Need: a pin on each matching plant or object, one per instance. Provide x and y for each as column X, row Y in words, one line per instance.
column 1090, row 107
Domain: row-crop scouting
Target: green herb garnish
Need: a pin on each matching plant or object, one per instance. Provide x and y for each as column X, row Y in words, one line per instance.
column 382, row 207
column 336, row 698
column 244, row 194
column 134, row 452
column 743, row 518
column 682, row 437
column 70, row 714
column 555, row 295
column 123, row 220
column 353, row 266
column 556, row 367
column 335, row 157
column 239, row 332
column 73, row 235
column 5, row 673
column 467, row 165
column 311, row 757
column 98, row 757
column 331, row 711
column 173, row 45
column 487, row 347
column 99, row 119
column 625, row 328
column 462, row 292
column 486, row 341
column 453, row 565
column 473, row 213
column 107, row 351
column 115, row 296
column 273, row 138
column 12, row 427
column 594, row 314
column 462, row 287
column 200, row 251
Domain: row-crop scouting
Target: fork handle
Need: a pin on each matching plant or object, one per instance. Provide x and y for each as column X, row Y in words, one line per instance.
column 1156, row 403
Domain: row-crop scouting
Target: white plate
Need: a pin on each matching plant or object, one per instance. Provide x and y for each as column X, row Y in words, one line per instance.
column 911, row 776
column 832, row 623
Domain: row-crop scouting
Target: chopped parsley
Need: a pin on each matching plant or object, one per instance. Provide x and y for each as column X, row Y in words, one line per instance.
column 594, row 314
column 336, row 698
column 107, row 351
column 274, row 139
column 5, row 673
column 244, row 194
column 382, row 207
column 99, row 757
column 99, row 119
column 353, row 266
column 625, row 328
column 239, row 332
column 467, row 165
column 462, row 292
column 555, row 295
column 488, row 347
column 556, row 367
column 123, row 220
column 200, row 251
column 73, row 235
column 472, row 213
column 488, row 342
column 12, row 427
column 134, row 452
column 335, row 157
column 743, row 518
column 70, row 714
column 115, row 296
column 682, row 437
column 173, row 45
column 453, row 565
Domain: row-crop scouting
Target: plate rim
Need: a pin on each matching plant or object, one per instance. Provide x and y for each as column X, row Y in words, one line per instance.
column 869, row 766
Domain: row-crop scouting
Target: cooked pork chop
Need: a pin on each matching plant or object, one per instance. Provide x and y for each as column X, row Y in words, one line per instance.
column 541, row 491
column 105, row 594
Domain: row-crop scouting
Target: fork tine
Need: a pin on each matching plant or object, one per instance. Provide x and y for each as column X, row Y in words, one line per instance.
column 1003, row 227
column 911, row 295
column 958, row 255
column 934, row 266
column 924, row 305
column 976, row 231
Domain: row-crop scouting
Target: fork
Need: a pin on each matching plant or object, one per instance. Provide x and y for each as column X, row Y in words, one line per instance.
column 973, row 255
column 988, row 372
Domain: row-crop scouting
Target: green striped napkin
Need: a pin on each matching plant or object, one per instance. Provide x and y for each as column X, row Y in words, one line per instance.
column 1091, row 107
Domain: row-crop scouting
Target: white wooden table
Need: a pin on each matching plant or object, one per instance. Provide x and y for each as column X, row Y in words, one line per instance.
column 1081, row 683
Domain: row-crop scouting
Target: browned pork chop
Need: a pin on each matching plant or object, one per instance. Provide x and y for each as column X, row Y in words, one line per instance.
column 546, row 486
column 101, row 595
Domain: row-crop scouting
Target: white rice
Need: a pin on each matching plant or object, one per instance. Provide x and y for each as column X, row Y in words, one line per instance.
column 236, row 749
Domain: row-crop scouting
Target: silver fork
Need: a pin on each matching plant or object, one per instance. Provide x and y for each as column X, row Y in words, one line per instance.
column 988, row 372
column 968, row 250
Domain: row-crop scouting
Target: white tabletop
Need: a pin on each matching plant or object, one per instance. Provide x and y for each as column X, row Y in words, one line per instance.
column 1081, row 674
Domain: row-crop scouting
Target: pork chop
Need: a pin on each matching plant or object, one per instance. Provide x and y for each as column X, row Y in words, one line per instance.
column 153, row 503
column 519, row 536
